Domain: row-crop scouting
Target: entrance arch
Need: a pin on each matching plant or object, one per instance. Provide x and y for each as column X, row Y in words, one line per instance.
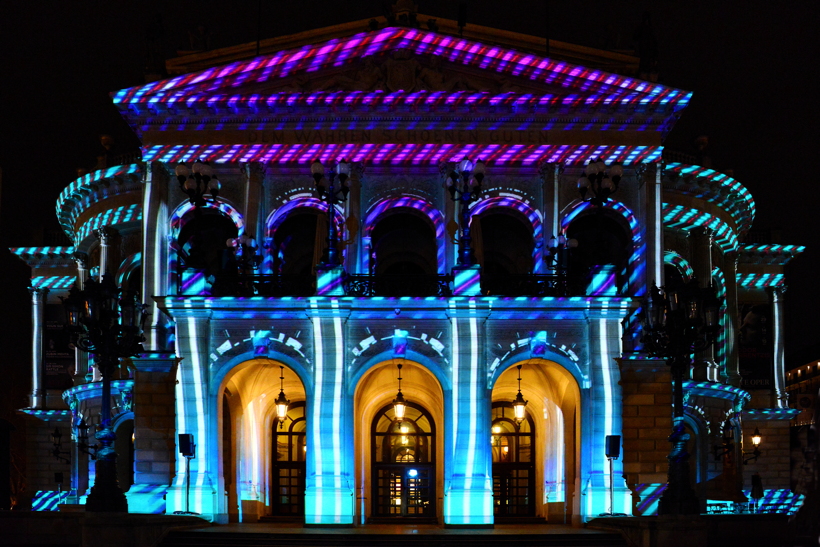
column 260, row 477
column 553, row 427
column 384, row 466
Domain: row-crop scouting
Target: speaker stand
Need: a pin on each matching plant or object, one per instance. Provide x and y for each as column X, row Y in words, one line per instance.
column 187, row 489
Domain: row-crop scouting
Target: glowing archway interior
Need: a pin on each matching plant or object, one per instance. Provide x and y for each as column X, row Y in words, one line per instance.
column 376, row 388
column 636, row 263
column 554, row 400
column 532, row 215
column 412, row 202
column 251, row 389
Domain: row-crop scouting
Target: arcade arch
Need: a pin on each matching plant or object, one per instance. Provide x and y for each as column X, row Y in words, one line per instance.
column 553, row 431
column 262, row 474
column 385, row 478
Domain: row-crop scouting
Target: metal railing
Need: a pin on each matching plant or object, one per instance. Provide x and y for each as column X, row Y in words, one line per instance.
column 398, row 285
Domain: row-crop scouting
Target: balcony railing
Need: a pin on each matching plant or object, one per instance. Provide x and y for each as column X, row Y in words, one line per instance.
column 398, row 285
column 531, row 285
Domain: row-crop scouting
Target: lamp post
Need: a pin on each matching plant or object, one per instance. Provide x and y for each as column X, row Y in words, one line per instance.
column 677, row 322
column 198, row 181
column 108, row 324
column 601, row 182
column 464, row 186
column 330, row 257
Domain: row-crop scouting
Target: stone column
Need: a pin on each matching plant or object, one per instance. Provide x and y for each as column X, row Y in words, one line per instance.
column 353, row 221
column 779, row 395
column 450, row 222
column 701, row 245
column 651, row 178
column 254, row 174
column 550, row 175
column 604, row 401
column 38, row 308
column 107, row 263
column 329, row 485
column 468, row 479
column 154, row 251
column 732, row 360
column 193, row 416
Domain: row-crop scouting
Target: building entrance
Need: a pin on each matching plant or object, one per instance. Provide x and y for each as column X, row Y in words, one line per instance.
column 513, row 463
column 403, row 473
column 288, row 466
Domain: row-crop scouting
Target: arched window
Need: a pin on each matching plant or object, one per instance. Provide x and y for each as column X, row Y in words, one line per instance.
column 598, row 265
column 404, row 252
column 296, row 249
column 203, row 252
column 289, row 449
column 513, row 449
column 403, row 459
column 503, row 246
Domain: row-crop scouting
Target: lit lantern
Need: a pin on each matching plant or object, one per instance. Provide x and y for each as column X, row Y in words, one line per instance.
column 399, row 404
column 519, row 404
column 756, row 438
column 282, row 401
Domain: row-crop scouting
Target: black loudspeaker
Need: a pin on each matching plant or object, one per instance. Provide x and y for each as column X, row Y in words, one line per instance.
column 186, row 445
column 613, row 446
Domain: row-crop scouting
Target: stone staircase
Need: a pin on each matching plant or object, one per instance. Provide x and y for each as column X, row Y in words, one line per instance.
column 365, row 538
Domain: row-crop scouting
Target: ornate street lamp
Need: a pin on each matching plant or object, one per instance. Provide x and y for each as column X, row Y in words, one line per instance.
column 108, row 324
column 464, row 186
column 678, row 322
column 198, row 181
column 342, row 170
column 281, row 401
column 599, row 181
column 754, row 454
column 57, row 450
column 519, row 404
column 399, row 404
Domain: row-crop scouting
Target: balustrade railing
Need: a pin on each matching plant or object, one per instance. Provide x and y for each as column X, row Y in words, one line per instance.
column 398, row 285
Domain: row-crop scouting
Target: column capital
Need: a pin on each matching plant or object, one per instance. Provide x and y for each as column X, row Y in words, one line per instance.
column 81, row 259
column 38, row 293
column 548, row 169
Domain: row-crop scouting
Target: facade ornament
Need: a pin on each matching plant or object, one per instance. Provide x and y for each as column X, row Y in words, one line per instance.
column 126, row 400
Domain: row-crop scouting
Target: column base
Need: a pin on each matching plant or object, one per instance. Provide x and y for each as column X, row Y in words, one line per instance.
column 467, row 281
column 328, row 507
column 329, row 280
column 468, row 508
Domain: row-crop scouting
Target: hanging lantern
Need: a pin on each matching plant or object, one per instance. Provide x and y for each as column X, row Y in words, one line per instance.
column 399, row 404
column 519, row 404
column 282, row 401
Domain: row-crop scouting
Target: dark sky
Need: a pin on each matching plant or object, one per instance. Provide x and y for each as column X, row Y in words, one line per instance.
column 752, row 67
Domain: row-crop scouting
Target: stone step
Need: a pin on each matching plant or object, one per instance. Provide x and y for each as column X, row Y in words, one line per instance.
column 445, row 538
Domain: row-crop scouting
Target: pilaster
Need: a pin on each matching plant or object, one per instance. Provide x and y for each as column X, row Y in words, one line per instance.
column 38, row 390
column 468, row 489
column 329, row 484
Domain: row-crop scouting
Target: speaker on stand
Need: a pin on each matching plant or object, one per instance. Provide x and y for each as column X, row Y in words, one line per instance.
column 613, row 452
column 187, row 448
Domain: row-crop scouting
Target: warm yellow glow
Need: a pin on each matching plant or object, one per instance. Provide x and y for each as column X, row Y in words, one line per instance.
column 282, row 411
column 505, row 449
column 396, row 501
column 398, row 409
column 496, row 429
column 519, row 410
column 756, row 437
column 405, row 429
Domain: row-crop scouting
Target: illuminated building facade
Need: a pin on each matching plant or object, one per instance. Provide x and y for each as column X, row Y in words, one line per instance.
column 247, row 302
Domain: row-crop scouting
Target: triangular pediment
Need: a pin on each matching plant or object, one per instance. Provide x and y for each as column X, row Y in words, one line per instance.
column 398, row 59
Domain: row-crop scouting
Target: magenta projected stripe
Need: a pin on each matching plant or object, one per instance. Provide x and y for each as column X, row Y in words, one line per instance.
column 402, row 154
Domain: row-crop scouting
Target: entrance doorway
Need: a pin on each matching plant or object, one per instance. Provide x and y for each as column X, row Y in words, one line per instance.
column 288, row 465
column 403, row 465
column 513, row 463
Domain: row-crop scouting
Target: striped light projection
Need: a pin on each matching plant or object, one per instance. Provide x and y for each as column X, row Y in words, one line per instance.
column 740, row 205
column 53, row 282
column 757, row 280
column 111, row 217
column 199, row 88
column 402, row 154
column 685, row 218
column 680, row 264
column 81, row 188
column 534, row 216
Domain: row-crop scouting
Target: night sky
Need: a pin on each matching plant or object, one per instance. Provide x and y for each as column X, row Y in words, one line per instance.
column 751, row 65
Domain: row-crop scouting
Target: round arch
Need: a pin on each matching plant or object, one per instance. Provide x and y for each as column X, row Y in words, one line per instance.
column 375, row 388
column 242, row 413
column 530, row 213
column 556, row 404
column 627, row 219
column 672, row 258
column 387, row 356
column 376, row 212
